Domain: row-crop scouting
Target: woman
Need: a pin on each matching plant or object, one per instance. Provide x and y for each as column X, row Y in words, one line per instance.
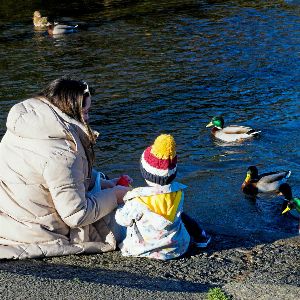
column 46, row 158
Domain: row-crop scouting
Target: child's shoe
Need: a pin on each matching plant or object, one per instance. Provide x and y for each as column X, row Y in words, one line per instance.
column 202, row 241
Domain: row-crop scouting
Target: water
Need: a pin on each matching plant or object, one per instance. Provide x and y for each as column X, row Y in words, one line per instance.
column 168, row 66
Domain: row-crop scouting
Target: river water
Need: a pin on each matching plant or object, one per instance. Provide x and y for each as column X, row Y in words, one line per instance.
column 167, row 67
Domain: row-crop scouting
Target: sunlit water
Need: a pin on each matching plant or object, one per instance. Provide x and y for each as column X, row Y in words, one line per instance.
column 160, row 67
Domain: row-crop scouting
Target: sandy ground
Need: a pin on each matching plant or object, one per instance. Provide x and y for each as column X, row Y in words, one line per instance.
column 243, row 268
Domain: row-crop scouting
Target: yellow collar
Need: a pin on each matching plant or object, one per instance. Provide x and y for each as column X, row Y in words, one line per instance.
column 165, row 205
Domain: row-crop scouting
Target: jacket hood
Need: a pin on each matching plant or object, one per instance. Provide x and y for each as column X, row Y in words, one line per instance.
column 154, row 190
column 39, row 119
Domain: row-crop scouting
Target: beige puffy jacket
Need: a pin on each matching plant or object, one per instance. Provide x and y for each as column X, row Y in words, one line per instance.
column 44, row 176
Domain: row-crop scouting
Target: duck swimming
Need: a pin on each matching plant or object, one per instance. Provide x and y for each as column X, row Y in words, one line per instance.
column 230, row 133
column 263, row 183
column 292, row 204
column 38, row 20
column 55, row 28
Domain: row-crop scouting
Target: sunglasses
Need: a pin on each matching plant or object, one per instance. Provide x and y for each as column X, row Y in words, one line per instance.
column 86, row 91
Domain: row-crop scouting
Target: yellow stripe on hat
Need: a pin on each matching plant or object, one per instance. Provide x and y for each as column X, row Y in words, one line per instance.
column 164, row 147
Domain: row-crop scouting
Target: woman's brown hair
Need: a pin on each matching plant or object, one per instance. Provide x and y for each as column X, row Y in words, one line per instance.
column 69, row 95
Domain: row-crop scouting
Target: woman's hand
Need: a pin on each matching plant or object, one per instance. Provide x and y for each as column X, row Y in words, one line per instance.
column 120, row 192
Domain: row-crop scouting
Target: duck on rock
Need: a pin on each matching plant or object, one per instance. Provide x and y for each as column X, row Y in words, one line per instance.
column 231, row 133
column 263, row 183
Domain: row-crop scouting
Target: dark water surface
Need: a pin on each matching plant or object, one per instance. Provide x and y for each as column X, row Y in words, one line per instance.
column 168, row 66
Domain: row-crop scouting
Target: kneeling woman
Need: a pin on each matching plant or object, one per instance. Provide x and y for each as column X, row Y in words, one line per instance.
column 46, row 158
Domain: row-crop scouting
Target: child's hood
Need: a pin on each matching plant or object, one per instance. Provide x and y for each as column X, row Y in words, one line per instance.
column 154, row 190
column 162, row 200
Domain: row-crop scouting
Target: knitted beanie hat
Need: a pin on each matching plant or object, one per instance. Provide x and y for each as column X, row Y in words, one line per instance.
column 159, row 161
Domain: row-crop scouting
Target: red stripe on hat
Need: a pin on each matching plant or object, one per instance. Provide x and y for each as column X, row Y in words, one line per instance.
column 159, row 163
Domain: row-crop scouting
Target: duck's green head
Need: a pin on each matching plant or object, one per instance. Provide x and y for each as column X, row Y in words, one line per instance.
column 216, row 122
column 294, row 203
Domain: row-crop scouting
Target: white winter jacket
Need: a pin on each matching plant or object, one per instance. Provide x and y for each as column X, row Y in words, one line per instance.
column 152, row 216
column 45, row 167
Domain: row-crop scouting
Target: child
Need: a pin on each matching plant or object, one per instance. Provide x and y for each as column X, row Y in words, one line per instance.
column 156, row 225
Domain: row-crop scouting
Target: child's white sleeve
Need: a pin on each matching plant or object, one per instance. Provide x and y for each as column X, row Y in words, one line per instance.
column 128, row 213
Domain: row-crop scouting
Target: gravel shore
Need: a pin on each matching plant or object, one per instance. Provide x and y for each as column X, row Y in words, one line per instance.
column 242, row 268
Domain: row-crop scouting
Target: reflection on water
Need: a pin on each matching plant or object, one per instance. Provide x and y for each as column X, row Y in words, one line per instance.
column 168, row 66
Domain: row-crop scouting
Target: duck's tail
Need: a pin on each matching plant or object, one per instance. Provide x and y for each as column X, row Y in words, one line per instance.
column 285, row 176
column 254, row 132
column 288, row 174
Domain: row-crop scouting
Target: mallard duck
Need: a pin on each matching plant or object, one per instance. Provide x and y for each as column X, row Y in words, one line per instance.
column 263, row 183
column 55, row 28
column 38, row 20
column 230, row 133
column 291, row 202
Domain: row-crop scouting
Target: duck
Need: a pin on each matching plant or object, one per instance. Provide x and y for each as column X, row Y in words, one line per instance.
column 56, row 28
column 263, row 183
column 38, row 20
column 231, row 133
column 290, row 202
